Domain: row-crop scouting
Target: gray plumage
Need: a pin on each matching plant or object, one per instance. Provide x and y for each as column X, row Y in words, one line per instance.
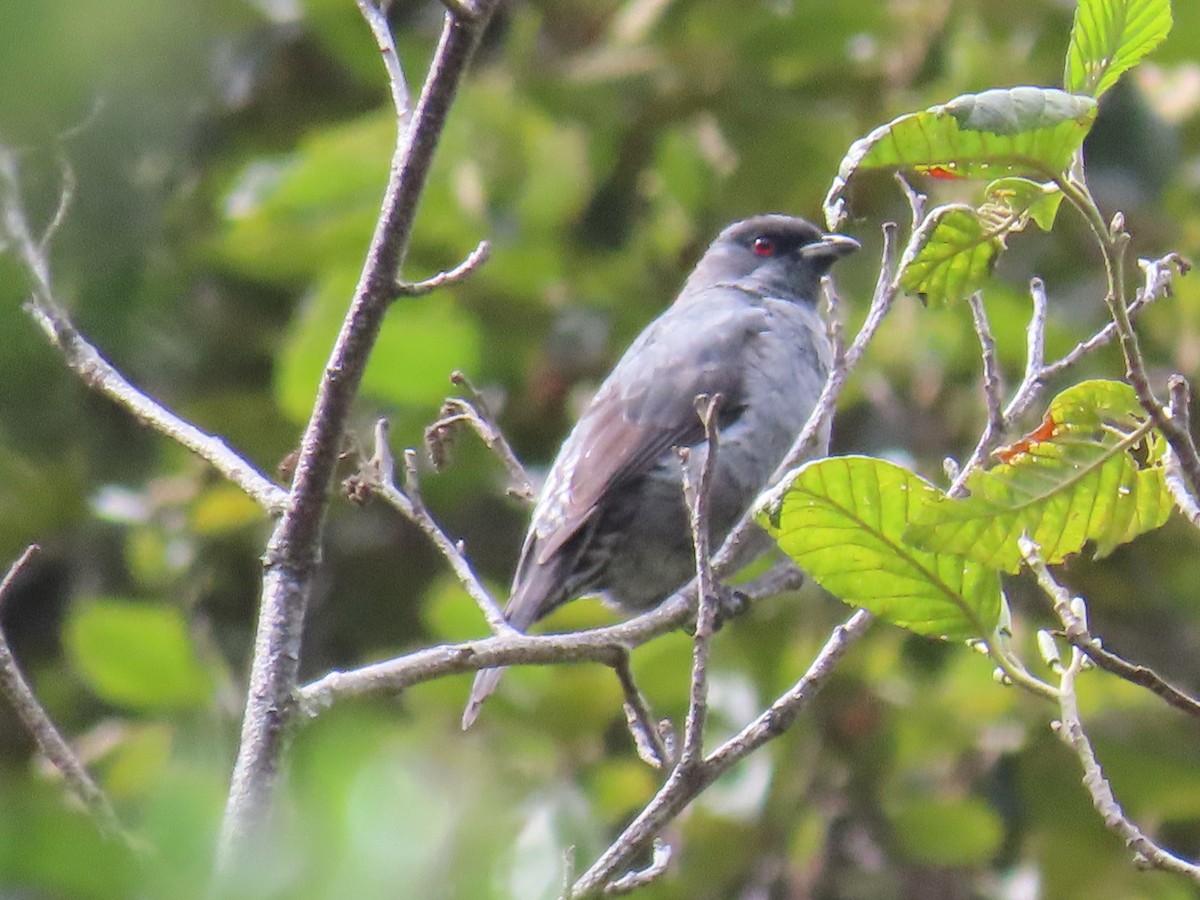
column 611, row 518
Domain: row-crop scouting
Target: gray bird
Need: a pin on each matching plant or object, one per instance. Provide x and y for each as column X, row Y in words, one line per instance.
column 611, row 517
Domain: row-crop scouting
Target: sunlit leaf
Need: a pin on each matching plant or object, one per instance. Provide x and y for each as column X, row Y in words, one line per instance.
column 1109, row 37
column 1026, row 131
column 137, row 654
column 1090, row 472
column 843, row 520
column 950, row 255
column 294, row 217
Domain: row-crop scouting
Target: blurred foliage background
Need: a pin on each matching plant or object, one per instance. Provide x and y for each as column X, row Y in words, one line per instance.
column 230, row 158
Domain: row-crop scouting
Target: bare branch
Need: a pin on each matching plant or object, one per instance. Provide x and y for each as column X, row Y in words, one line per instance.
column 1179, row 404
column 294, row 547
column 473, row 412
column 654, row 741
column 50, row 743
column 477, row 258
column 1075, row 630
column 376, row 475
column 1038, row 373
column 376, row 18
column 683, row 786
column 731, row 552
column 97, row 372
column 603, row 645
column 631, row 881
column 696, row 493
column 1148, row 854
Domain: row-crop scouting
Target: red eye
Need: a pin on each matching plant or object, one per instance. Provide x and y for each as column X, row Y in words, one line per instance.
column 764, row 246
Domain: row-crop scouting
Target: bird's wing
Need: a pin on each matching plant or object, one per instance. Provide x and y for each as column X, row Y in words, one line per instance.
column 646, row 406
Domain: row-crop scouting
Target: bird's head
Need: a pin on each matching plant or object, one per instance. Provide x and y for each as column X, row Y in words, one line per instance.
column 780, row 255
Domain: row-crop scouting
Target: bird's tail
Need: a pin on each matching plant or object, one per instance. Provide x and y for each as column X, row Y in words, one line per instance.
column 533, row 597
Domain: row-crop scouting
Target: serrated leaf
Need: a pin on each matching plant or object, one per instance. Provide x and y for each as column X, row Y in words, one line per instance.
column 1025, row 131
column 1026, row 199
column 1091, row 472
column 137, row 654
column 1109, row 37
column 950, row 255
column 843, row 520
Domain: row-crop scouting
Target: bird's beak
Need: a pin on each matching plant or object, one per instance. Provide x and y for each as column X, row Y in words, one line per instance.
column 831, row 246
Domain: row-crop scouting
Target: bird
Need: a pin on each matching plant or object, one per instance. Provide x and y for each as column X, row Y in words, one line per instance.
column 611, row 518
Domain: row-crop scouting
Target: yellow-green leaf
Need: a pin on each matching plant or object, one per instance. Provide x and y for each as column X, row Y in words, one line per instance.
column 1109, row 37
column 137, row 654
column 1091, row 472
column 950, row 255
column 843, row 521
column 1026, row 131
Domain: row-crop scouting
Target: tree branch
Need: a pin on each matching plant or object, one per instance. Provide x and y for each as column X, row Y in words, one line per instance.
column 87, row 362
column 376, row 476
column 50, row 742
column 293, row 550
column 696, row 493
column 473, row 412
column 684, row 785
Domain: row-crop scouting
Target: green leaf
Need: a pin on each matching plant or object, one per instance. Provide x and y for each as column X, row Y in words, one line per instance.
column 843, row 520
column 1026, row 199
column 293, row 218
column 950, row 255
column 137, row 654
column 1025, row 131
column 1109, row 37
column 1091, row 471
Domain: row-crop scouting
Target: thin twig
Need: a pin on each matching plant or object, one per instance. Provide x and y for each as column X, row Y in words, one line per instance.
column 682, row 787
column 1076, row 631
column 696, row 493
column 631, row 881
column 1148, row 854
column 408, row 502
column 654, row 741
column 464, row 10
column 50, row 742
column 66, row 196
column 835, row 327
column 97, row 372
column 473, row 412
column 375, row 15
column 477, row 258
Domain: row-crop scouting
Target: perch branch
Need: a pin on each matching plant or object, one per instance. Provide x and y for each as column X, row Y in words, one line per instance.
column 50, row 742
column 294, row 547
column 696, row 492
